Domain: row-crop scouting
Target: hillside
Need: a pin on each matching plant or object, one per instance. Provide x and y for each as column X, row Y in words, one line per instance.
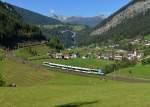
column 35, row 18
column 88, row 21
column 130, row 21
column 48, row 88
column 13, row 29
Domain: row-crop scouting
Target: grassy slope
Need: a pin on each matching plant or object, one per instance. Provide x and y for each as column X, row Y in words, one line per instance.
column 23, row 75
column 139, row 71
column 42, row 88
column 41, row 50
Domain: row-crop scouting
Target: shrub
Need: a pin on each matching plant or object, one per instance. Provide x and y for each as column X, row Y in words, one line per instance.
column 31, row 51
column 146, row 61
column 119, row 65
column 2, row 82
column 110, row 68
column 2, row 55
column 55, row 43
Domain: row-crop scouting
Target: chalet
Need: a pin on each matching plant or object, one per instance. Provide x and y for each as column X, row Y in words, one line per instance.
column 105, row 55
column 51, row 54
column 66, row 56
column 73, row 56
column 147, row 44
column 113, row 46
column 136, row 41
column 118, row 57
column 58, row 56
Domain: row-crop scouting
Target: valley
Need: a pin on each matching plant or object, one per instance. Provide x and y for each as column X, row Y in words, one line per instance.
column 75, row 61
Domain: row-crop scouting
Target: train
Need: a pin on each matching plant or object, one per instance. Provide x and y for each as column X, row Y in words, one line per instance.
column 75, row 69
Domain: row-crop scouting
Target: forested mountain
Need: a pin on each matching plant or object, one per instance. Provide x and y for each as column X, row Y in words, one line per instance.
column 13, row 29
column 130, row 21
column 35, row 18
column 88, row 21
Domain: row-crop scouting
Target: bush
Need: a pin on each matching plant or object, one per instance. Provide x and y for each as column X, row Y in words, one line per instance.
column 119, row 65
column 2, row 55
column 2, row 82
column 146, row 61
column 110, row 68
column 55, row 43
column 32, row 51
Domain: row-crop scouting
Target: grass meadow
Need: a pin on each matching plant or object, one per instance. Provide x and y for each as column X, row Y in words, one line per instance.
column 138, row 71
column 88, row 63
column 38, row 87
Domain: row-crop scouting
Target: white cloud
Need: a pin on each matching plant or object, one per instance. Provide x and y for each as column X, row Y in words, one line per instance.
column 52, row 11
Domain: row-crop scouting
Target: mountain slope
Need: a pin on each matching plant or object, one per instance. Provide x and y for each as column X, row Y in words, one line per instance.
column 64, row 32
column 13, row 29
column 35, row 18
column 130, row 21
column 88, row 21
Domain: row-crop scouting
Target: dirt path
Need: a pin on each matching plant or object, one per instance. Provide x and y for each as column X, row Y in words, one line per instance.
column 11, row 56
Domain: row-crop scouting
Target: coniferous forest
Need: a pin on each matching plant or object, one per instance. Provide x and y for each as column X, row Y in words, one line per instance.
column 14, row 30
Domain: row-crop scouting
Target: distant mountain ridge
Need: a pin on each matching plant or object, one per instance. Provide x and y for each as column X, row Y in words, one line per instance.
column 88, row 21
column 130, row 21
column 35, row 18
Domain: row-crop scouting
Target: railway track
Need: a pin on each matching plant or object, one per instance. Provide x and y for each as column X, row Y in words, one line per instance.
column 11, row 56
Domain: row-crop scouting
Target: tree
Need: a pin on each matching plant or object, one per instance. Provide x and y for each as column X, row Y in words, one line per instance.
column 55, row 43
column 14, row 30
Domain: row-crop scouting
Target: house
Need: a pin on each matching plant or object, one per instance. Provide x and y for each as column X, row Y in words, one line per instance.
column 84, row 57
column 118, row 57
column 134, row 55
column 73, row 56
column 147, row 44
column 136, row 41
column 51, row 54
column 105, row 55
column 113, row 46
column 66, row 56
column 58, row 56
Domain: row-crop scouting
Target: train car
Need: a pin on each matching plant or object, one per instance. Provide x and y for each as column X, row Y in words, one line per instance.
column 73, row 68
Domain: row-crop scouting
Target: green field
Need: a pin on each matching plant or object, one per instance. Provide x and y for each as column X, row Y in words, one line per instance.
column 41, row 51
column 139, row 71
column 147, row 37
column 75, row 28
column 88, row 63
column 37, row 87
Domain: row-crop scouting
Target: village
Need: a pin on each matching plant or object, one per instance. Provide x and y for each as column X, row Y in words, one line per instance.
column 110, row 52
column 105, row 55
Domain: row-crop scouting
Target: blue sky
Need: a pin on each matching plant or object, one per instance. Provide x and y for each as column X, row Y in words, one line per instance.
column 71, row 7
